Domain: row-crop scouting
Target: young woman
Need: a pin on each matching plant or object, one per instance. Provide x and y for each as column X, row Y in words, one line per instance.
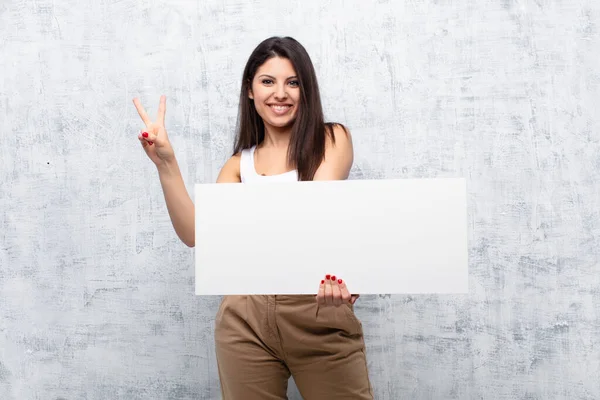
column 282, row 136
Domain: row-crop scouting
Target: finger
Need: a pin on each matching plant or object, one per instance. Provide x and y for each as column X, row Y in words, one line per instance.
column 162, row 109
column 321, row 293
column 337, row 293
column 344, row 291
column 143, row 137
column 149, row 136
column 140, row 109
column 354, row 298
column 328, row 291
column 143, row 141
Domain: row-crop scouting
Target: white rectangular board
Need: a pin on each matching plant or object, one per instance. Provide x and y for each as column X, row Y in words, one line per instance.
column 390, row 236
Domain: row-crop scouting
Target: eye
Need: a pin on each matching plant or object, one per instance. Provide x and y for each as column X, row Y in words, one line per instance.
column 294, row 83
column 267, row 81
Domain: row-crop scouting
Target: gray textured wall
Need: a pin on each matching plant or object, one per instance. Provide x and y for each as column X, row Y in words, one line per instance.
column 97, row 293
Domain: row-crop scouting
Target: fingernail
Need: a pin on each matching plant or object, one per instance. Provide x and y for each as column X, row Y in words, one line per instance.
column 339, row 281
column 327, row 276
column 333, row 278
column 151, row 142
column 145, row 134
column 322, row 282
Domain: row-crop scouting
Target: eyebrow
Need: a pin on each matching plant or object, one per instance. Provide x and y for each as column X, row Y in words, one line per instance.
column 269, row 76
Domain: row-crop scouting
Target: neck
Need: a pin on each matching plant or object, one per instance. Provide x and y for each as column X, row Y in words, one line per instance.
column 277, row 137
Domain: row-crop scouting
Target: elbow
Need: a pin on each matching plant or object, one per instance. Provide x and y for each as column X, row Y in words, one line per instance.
column 188, row 241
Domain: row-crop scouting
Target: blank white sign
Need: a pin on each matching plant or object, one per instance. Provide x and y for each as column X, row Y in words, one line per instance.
column 380, row 236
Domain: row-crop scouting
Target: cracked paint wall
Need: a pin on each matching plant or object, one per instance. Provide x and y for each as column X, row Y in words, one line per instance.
column 96, row 291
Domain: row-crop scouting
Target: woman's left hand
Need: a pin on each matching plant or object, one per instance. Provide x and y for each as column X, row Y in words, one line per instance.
column 333, row 291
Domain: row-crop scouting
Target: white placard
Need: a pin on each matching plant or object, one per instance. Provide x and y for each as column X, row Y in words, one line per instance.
column 380, row 236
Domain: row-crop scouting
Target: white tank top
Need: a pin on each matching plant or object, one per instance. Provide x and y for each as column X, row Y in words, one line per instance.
column 249, row 175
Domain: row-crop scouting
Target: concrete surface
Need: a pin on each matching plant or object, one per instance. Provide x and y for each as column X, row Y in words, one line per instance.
column 97, row 293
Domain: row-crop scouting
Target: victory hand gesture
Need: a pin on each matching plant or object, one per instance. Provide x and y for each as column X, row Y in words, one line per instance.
column 154, row 137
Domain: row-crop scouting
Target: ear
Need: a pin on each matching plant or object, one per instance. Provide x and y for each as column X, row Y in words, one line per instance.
column 250, row 94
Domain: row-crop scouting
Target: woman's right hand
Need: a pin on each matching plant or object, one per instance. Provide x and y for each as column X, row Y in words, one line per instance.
column 154, row 137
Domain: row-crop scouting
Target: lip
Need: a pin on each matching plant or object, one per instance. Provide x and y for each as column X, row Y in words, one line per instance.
column 286, row 110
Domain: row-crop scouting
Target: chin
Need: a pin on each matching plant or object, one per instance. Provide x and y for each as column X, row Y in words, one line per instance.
column 282, row 124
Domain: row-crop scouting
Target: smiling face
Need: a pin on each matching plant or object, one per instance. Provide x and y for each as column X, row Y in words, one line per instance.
column 276, row 93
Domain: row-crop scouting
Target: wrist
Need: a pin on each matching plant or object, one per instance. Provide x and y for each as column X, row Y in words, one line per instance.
column 168, row 167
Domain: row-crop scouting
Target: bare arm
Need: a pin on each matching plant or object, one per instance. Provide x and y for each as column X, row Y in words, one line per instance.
column 155, row 142
column 179, row 202
column 339, row 157
column 180, row 205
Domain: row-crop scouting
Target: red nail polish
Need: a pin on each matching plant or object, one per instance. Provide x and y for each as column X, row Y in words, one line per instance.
column 327, row 276
column 340, row 281
column 322, row 282
column 333, row 277
column 150, row 142
column 145, row 134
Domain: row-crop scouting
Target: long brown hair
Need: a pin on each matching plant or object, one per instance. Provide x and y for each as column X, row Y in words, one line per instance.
column 307, row 143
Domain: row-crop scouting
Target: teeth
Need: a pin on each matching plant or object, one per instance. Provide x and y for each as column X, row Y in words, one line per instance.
column 280, row 108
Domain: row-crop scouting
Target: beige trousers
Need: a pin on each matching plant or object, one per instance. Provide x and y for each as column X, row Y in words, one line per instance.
column 262, row 340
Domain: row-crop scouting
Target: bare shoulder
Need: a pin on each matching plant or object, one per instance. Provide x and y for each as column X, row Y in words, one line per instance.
column 341, row 134
column 339, row 154
column 230, row 173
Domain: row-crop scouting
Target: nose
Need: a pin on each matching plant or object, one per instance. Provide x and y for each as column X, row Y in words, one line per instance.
column 280, row 92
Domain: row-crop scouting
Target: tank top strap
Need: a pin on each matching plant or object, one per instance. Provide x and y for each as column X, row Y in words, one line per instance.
column 247, row 170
